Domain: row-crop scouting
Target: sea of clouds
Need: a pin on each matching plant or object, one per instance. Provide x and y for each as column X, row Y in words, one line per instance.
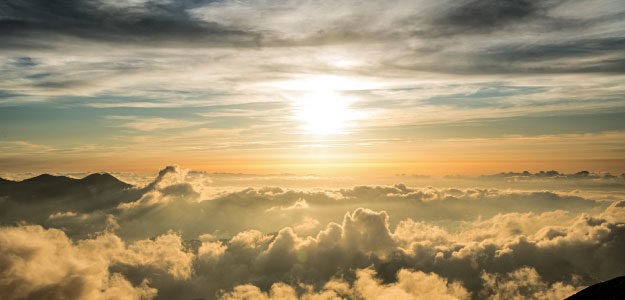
column 194, row 235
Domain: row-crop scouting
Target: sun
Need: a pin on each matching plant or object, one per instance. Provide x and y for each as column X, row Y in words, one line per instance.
column 324, row 112
column 321, row 104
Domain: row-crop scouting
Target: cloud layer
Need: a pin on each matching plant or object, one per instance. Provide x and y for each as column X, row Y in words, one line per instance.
column 365, row 242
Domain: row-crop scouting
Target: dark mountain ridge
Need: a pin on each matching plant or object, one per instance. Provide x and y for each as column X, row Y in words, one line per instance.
column 613, row 289
column 34, row 199
column 53, row 185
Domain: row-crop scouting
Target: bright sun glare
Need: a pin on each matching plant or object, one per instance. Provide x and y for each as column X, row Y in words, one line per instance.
column 324, row 112
column 322, row 108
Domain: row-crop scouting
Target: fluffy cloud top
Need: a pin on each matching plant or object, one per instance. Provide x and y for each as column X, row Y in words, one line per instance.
column 409, row 285
column 365, row 242
column 45, row 264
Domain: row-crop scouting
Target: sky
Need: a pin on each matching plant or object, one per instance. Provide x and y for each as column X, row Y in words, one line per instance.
column 312, row 87
column 311, row 149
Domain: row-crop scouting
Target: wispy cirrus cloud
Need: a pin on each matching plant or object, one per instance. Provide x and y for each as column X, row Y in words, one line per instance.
column 411, row 69
column 151, row 124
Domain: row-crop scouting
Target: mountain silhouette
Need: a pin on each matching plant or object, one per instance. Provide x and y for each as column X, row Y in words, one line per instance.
column 46, row 186
column 104, row 180
column 34, row 199
column 613, row 289
column 47, row 179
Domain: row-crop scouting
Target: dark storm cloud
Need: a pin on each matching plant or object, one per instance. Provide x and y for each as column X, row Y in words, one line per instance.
column 577, row 48
column 163, row 22
column 455, row 37
column 24, row 62
column 7, row 94
column 562, row 56
column 476, row 16
column 484, row 19
column 144, row 22
column 608, row 51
